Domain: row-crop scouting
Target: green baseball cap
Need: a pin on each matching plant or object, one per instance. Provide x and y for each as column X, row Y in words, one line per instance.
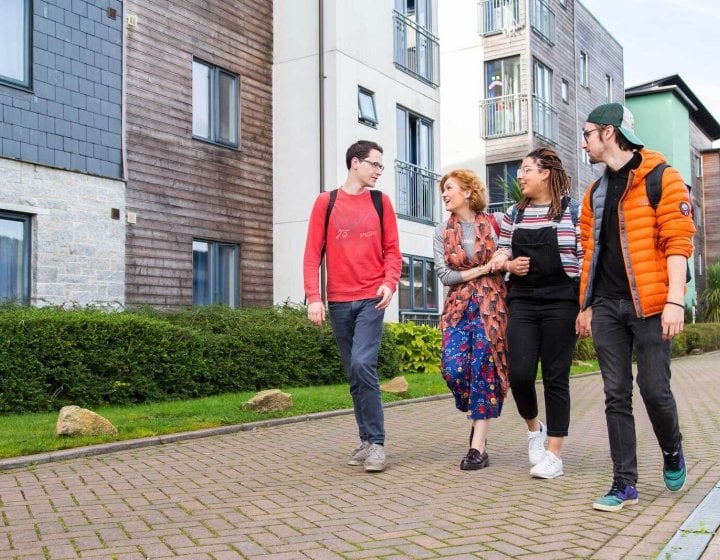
column 618, row 116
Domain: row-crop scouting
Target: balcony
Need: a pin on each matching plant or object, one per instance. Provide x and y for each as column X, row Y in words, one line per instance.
column 542, row 20
column 417, row 192
column 503, row 116
column 545, row 120
column 499, row 16
column 417, row 51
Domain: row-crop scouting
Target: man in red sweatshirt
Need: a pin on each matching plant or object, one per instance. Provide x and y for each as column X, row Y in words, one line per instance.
column 363, row 261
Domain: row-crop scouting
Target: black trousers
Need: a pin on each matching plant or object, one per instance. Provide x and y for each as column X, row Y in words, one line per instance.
column 542, row 331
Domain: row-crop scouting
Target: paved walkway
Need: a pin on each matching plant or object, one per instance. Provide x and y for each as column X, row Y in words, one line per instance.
column 284, row 492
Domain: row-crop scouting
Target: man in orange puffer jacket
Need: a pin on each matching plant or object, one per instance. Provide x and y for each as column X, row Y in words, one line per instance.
column 631, row 292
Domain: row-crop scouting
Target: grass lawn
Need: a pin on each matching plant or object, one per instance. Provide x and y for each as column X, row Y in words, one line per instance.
column 28, row 434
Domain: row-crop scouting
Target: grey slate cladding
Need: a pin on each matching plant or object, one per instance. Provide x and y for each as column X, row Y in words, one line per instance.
column 70, row 118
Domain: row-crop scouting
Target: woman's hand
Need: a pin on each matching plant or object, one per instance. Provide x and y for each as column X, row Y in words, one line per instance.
column 519, row 266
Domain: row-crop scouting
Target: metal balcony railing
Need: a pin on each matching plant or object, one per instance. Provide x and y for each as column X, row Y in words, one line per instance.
column 545, row 120
column 542, row 20
column 503, row 116
column 417, row 192
column 499, row 16
column 417, row 50
column 427, row 319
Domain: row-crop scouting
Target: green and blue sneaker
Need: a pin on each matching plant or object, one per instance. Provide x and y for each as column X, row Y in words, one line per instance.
column 674, row 471
column 620, row 494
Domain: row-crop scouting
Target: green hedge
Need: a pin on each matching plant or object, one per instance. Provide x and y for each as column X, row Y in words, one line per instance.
column 51, row 357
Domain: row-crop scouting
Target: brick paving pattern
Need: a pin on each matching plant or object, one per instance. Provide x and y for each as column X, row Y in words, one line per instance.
column 284, row 492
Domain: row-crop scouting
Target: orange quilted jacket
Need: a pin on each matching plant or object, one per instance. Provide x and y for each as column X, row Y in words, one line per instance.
column 647, row 236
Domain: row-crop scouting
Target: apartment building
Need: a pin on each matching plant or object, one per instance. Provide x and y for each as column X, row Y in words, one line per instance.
column 671, row 119
column 518, row 75
column 345, row 71
column 62, row 195
column 198, row 90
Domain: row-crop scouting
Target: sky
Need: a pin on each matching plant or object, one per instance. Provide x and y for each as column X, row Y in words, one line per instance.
column 665, row 37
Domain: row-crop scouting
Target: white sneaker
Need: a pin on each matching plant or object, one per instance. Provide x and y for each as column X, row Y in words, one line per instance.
column 536, row 444
column 357, row 457
column 549, row 467
column 375, row 460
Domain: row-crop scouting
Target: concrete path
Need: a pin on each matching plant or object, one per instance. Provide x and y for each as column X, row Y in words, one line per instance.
column 285, row 492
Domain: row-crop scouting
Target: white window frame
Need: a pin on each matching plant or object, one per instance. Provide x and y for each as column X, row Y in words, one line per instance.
column 216, row 118
column 565, row 91
column 608, row 88
column 584, row 69
column 15, row 257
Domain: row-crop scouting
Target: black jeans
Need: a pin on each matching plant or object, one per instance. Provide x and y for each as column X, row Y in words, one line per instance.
column 616, row 332
column 544, row 331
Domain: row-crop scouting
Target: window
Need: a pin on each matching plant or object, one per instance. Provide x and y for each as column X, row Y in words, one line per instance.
column 415, row 179
column 504, row 107
column 417, row 290
column 215, row 273
column 545, row 118
column 584, row 69
column 16, row 33
column 215, row 104
column 14, row 257
column 501, row 176
column 417, row 50
column 366, row 107
column 608, row 89
column 542, row 20
column 497, row 16
column 698, row 166
column 565, row 91
column 585, row 157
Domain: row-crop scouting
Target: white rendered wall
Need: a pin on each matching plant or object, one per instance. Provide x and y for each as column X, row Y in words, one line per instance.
column 358, row 52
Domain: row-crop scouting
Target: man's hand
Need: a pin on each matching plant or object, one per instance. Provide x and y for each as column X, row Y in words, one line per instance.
column 386, row 294
column 316, row 313
column 673, row 320
column 583, row 323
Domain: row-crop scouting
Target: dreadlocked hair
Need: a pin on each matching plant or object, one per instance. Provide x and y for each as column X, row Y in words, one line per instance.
column 558, row 183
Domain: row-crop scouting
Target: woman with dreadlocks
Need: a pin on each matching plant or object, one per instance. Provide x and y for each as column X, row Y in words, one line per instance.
column 539, row 246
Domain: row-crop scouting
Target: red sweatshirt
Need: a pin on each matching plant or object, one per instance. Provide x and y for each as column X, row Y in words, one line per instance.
column 358, row 260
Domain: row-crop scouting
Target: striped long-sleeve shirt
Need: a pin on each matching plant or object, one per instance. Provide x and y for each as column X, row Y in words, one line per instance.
column 568, row 234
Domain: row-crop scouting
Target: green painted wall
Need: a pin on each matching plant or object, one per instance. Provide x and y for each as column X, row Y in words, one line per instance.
column 662, row 122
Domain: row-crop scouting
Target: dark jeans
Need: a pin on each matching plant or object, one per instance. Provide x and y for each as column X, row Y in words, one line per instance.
column 358, row 330
column 542, row 331
column 616, row 332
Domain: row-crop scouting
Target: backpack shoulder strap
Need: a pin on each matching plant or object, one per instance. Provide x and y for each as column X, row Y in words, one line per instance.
column 331, row 203
column 653, row 184
column 377, row 202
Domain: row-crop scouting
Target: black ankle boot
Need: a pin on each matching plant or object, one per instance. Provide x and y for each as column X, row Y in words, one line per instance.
column 474, row 460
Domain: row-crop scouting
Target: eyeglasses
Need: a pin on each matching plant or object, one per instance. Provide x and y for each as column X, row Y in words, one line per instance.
column 525, row 170
column 587, row 133
column 376, row 164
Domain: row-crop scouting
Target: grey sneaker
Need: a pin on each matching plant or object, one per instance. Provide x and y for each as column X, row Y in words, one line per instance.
column 375, row 460
column 357, row 457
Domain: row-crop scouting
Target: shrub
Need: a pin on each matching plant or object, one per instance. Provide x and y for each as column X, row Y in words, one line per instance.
column 52, row 357
column 418, row 347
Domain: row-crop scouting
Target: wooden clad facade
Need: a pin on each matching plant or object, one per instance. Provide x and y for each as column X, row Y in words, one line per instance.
column 183, row 189
column 710, row 193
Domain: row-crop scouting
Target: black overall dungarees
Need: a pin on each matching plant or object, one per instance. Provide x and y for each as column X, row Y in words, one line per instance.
column 543, row 308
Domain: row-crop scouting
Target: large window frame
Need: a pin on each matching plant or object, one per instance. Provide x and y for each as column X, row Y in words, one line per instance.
column 16, row 54
column 415, row 178
column 418, row 287
column 216, row 105
column 499, row 175
column 216, row 273
column 15, row 257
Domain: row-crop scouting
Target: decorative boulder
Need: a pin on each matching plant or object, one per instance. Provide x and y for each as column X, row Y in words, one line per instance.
column 76, row 421
column 396, row 386
column 269, row 400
